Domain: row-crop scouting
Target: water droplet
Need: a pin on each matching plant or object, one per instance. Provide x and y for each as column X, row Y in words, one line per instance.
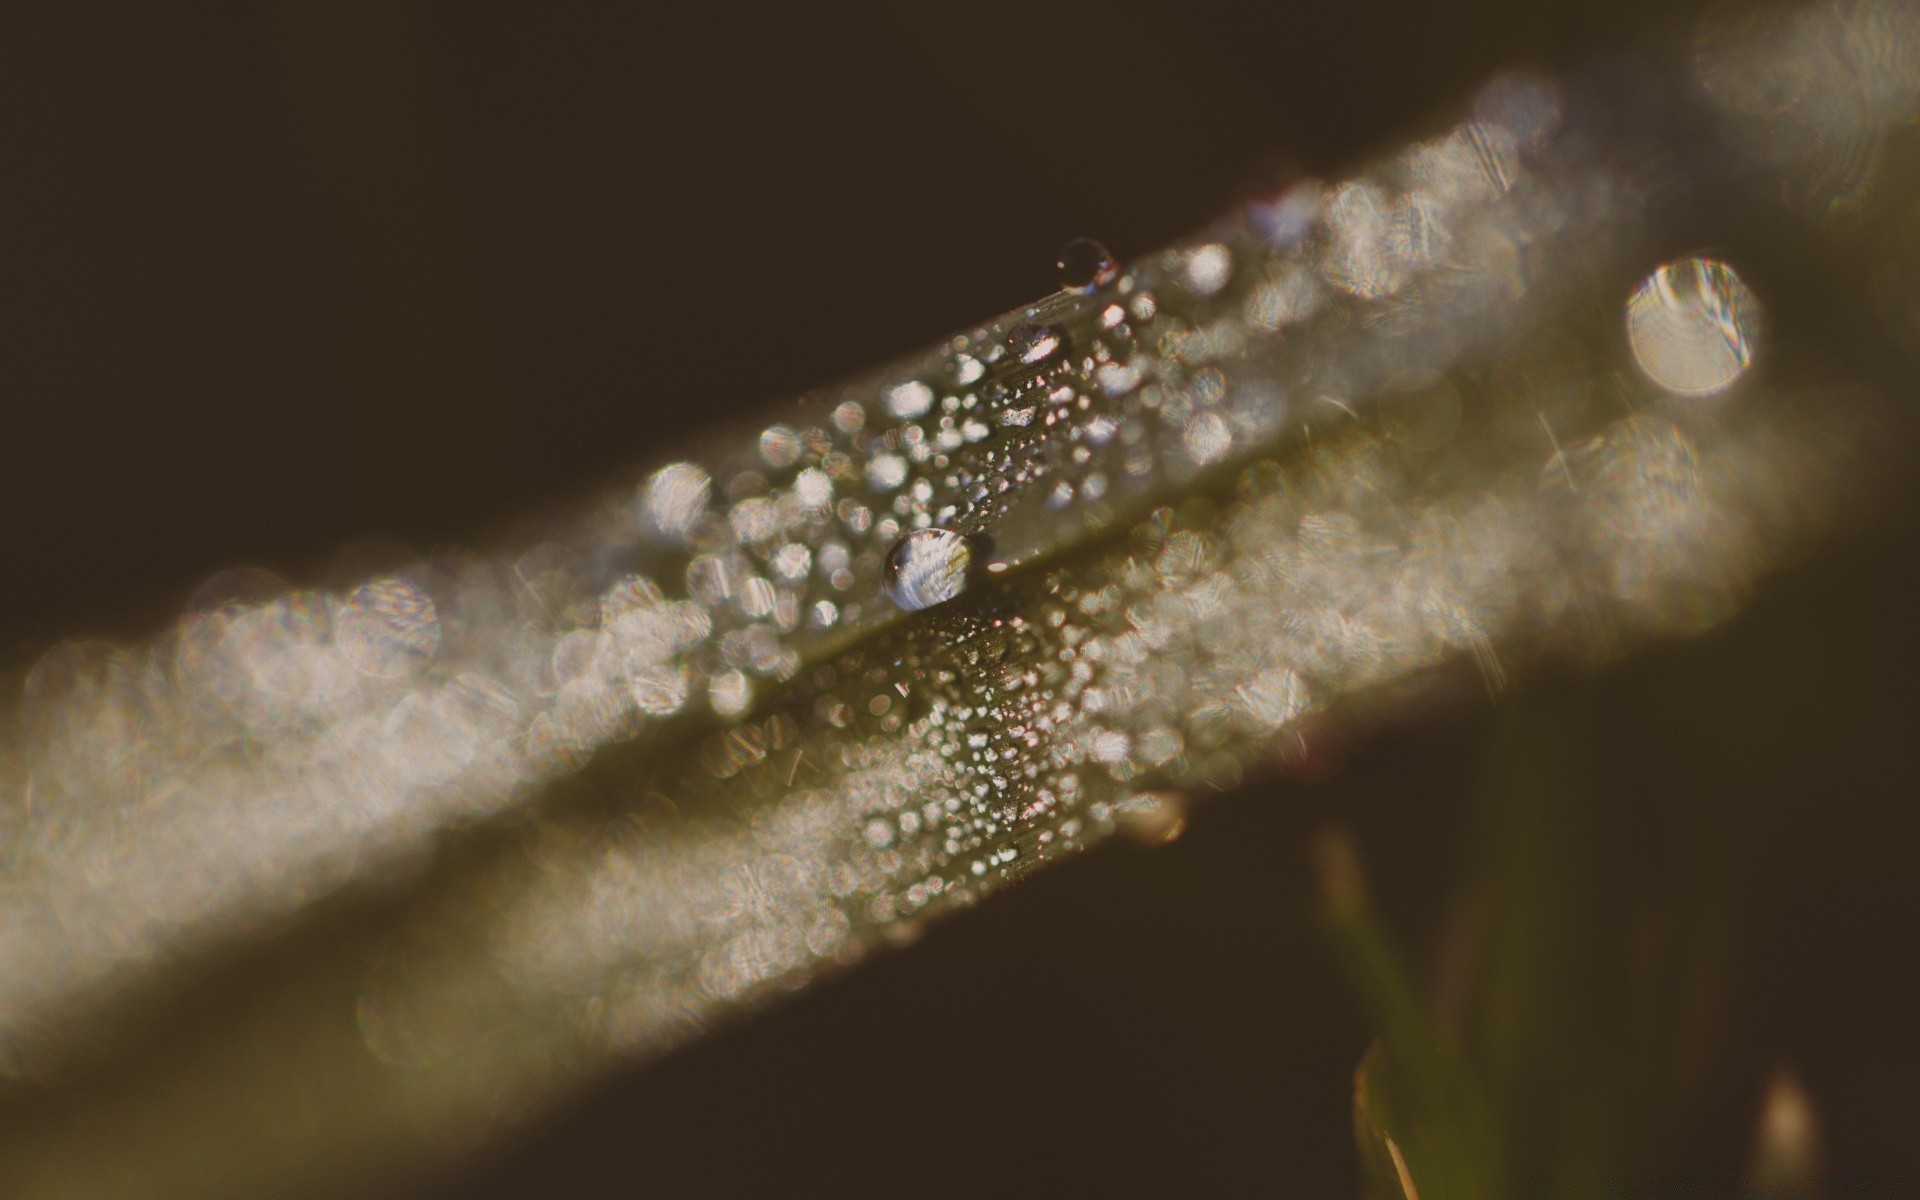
column 674, row 498
column 1034, row 344
column 813, row 487
column 792, row 561
column 754, row 519
column 909, row 400
column 730, row 693
column 1208, row 269
column 1117, row 380
column 780, row 446
column 1152, row 819
column 1086, row 266
column 1692, row 326
column 928, row 567
column 848, row 417
column 1208, row 439
column 885, row 472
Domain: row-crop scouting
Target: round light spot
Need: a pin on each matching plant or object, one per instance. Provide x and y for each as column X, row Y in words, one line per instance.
column 1692, row 326
column 1208, row 439
column 675, row 497
column 1208, row 269
column 885, row 472
column 781, row 446
column 730, row 693
column 909, row 400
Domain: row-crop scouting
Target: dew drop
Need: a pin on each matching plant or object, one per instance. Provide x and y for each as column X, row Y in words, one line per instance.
column 1208, row 439
column 1034, row 344
column 792, row 561
column 909, row 400
column 1208, row 269
column 848, row 417
column 730, row 693
column 813, row 487
column 1692, row 326
column 927, row 567
column 885, row 472
column 674, row 497
column 1086, row 266
column 780, row 446
column 1152, row 819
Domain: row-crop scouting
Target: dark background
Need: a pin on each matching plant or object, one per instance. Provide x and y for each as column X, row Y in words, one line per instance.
column 278, row 277
column 285, row 274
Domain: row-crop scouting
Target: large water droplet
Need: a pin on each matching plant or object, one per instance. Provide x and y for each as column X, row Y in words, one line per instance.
column 928, row 567
column 1692, row 326
column 1034, row 344
column 1086, row 266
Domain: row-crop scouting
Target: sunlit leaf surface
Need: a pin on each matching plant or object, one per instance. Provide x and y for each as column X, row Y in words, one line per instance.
column 1484, row 408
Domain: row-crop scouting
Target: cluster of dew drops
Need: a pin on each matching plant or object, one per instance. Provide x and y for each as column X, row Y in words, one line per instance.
column 932, row 566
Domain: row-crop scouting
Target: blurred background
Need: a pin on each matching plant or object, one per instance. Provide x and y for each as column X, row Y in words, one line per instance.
column 288, row 277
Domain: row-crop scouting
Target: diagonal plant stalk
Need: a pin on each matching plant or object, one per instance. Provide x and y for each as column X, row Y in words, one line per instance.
column 491, row 823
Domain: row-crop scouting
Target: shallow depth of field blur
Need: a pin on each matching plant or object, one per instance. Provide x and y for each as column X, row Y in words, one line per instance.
column 312, row 291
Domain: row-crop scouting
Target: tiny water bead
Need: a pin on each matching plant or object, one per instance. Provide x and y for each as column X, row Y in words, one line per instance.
column 928, row 567
column 1692, row 326
column 1086, row 266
